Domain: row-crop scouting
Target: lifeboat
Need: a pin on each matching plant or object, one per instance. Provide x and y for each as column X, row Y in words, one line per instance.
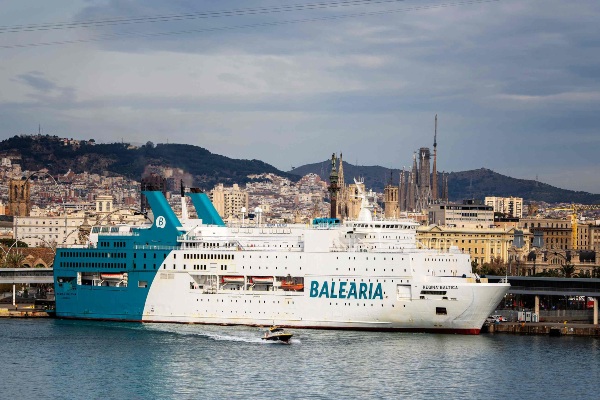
column 285, row 285
column 262, row 280
column 111, row 276
column 232, row 279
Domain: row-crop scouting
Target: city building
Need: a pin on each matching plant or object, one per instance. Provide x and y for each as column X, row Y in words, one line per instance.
column 346, row 204
column 594, row 238
column 19, row 197
column 419, row 187
column 229, row 201
column 49, row 230
column 554, row 233
column 152, row 181
column 391, row 201
column 509, row 206
column 482, row 243
column 465, row 215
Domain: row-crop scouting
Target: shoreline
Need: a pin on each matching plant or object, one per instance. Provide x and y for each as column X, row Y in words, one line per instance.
column 515, row 328
column 544, row 328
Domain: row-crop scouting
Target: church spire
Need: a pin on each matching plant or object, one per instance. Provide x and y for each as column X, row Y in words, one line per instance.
column 333, row 187
column 434, row 178
column 341, row 182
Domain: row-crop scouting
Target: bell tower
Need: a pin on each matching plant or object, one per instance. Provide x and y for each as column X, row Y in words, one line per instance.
column 19, row 202
column 333, row 188
column 391, row 199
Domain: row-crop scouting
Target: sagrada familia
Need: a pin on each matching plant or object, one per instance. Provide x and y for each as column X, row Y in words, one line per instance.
column 416, row 189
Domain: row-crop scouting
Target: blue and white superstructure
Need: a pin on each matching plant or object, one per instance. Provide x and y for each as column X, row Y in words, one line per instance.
column 363, row 274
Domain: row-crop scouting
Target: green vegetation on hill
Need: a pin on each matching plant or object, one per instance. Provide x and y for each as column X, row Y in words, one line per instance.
column 207, row 169
column 478, row 183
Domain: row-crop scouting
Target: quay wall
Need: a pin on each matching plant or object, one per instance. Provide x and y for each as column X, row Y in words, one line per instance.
column 543, row 328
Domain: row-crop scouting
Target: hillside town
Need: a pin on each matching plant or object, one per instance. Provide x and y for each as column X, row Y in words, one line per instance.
column 503, row 235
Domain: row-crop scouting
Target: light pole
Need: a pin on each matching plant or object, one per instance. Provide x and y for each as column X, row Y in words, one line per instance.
column 43, row 173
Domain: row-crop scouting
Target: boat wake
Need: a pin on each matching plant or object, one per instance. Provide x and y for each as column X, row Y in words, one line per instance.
column 244, row 336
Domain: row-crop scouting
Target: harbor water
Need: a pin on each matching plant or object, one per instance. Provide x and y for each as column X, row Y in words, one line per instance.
column 97, row 360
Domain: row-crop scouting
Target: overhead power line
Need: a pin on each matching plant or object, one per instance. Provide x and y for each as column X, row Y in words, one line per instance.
column 188, row 16
column 247, row 26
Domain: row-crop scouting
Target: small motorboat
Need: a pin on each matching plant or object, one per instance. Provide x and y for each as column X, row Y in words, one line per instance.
column 277, row 334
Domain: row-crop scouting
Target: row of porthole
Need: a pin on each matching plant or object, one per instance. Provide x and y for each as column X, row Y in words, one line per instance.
column 354, row 280
column 74, row 264
column 374, row 259
column 77, row 254
column 164, row 255
column 153, row 267
column 367, row 270
column 186, row 256
column 243, row 256
column 358, row 304
column 245, row 312
column 249, row 301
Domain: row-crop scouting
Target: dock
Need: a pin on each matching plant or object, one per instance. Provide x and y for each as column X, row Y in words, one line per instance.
column 25, row 311
column 544, row 328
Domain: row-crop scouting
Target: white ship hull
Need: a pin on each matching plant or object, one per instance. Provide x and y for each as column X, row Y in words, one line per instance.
column 357, row 275
column 433, row 303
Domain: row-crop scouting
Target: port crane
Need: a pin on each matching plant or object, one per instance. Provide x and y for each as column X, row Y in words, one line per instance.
column 574, row 210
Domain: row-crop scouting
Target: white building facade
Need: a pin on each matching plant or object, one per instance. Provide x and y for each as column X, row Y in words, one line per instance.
column 510, row 206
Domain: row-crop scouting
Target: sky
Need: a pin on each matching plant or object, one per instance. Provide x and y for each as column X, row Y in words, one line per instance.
column 515, row 83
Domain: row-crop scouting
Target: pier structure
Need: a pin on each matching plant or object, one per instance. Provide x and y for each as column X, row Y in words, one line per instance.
column 547, row 286
column 15, row 276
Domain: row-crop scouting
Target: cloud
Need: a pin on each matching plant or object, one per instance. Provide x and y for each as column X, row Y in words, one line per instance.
column 36, row 80
column 515, row 84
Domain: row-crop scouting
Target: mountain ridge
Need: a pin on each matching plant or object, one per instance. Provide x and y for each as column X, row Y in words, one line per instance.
column 470, row 184
column 59, row 155
column 207, row 169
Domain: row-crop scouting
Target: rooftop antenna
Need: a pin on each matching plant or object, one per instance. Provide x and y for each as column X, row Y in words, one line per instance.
column 471, row 187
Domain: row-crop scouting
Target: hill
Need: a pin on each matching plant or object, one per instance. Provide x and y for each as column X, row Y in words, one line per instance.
column 375, row 177
column 207, row 169
column 473, row 184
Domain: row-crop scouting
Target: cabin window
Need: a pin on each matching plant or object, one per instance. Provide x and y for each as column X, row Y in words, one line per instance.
column 441, row 311
column 142, row 284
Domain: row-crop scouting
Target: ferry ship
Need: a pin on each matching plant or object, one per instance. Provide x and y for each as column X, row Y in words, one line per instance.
column 364, row 274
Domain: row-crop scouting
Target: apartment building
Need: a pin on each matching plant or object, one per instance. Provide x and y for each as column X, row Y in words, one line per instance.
column 469, row 214
column 229, row 201
column 510, row 206
column 482, row 243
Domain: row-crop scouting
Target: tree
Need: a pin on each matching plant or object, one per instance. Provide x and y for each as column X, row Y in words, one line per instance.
column 474, row 266
column 14, row 260
column 568, row 270
column 10, row 242
column 494, row 267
